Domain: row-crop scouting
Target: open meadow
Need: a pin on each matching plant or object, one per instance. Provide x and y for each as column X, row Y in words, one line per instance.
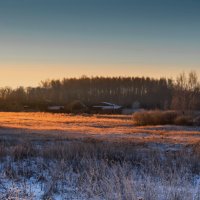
column 100, row 127
column 65, row 156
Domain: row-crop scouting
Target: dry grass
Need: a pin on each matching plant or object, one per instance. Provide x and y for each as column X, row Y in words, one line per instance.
column 96, row 157
column 62, row 122
column 102, row 127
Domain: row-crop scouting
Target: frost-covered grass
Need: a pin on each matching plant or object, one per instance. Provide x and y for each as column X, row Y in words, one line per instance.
column 97, row 170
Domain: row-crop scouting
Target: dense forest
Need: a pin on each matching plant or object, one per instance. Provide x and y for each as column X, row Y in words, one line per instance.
column 181, row 93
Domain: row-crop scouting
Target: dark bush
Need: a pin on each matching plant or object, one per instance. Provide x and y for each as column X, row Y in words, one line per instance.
column 165, row 118
column 154, row 117
column 183, row 120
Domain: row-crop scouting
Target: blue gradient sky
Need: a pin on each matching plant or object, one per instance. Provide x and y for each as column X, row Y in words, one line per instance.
column 42, row 39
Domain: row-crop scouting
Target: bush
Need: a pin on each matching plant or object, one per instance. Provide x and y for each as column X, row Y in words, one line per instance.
column 77, row 107
column 183, row 120
column 154, row 117
column 165, row 118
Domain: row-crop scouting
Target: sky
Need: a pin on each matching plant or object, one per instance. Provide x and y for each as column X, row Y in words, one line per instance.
column 50, row 39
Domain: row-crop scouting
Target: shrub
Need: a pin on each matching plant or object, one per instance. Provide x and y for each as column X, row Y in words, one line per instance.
column 77, row 107
column 183, row 120
column 154, row 117
column 165, row 118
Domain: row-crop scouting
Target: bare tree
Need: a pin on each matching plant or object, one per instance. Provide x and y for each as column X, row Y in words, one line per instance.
column 186, row 92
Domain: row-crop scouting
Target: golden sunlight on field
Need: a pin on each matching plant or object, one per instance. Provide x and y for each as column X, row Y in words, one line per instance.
column 110, row 127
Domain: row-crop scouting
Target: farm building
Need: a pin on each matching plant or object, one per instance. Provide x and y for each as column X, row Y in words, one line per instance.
column 55, row 108
column 106, row 107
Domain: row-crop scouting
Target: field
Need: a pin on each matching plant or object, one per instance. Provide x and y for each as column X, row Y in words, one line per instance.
column 100, row 127
column 62, row 156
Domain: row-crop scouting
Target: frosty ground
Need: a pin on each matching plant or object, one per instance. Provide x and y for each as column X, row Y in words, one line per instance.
column 58, row 156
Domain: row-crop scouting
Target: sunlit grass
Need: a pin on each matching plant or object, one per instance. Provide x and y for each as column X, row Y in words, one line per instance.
column 109, row 127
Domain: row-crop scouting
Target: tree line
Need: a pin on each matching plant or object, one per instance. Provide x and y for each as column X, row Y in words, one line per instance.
column 182, row 93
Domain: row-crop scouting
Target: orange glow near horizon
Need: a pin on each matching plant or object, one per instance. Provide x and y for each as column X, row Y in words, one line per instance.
column 21, row 75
